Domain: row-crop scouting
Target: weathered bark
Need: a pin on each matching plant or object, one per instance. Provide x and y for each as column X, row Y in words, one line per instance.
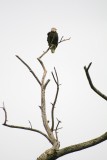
column 81, row 146
column 53, row 155
column 49, row 154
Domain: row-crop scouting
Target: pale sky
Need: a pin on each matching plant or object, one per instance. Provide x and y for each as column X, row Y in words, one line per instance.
column 24, row 25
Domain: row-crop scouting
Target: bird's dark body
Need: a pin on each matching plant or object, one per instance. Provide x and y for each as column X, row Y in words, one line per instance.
column 52, row 40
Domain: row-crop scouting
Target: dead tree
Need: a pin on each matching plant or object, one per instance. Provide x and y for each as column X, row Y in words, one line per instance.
column 51, row 134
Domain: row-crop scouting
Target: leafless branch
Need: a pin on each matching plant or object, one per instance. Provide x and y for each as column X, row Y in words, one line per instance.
column 43, row 66
column 44, row 53
column 55, row 77
column 30, row 129
column 81, row 146
column 47, row 83
column 30, row 124
column 58, row 124
column 61, row 40
column 21, row 127
column 56, row 129
column 91, row 83
column 29, row 69
column 44, row 74
column 5, row 112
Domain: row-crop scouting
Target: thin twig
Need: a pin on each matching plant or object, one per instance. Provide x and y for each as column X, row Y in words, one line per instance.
column 57, row 82
column 56, row 130
column 62, row 40
column 30, row 124
column 5, row 113
column 47, row 83
column 89, row 66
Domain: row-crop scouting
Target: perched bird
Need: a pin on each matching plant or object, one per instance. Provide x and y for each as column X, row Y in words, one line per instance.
column 52, row 38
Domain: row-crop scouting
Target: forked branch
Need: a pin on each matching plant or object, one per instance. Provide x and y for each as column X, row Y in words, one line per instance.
column 91, row 83
column 57, row 128
column 43, row 104
column 54, row 141
column 62, row 40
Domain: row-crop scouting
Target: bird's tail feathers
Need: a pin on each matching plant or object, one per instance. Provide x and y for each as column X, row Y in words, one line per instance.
column 53, row 47
column 52, row 50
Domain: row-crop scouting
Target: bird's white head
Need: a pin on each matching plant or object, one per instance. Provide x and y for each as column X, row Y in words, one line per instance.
column 53, row 29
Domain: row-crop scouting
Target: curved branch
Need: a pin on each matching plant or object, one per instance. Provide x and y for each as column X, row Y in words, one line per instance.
column 21, row 127
column 29, row 69
column 91, row 83
column 5, row 113
column 44, row 69
column 27, row 128
column 81, row 146
column 30, row 129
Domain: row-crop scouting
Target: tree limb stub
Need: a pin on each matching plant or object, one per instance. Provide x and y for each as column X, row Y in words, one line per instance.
column 91, row 83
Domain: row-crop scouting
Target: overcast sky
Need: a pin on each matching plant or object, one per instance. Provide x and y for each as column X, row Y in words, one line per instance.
column 24, row 25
